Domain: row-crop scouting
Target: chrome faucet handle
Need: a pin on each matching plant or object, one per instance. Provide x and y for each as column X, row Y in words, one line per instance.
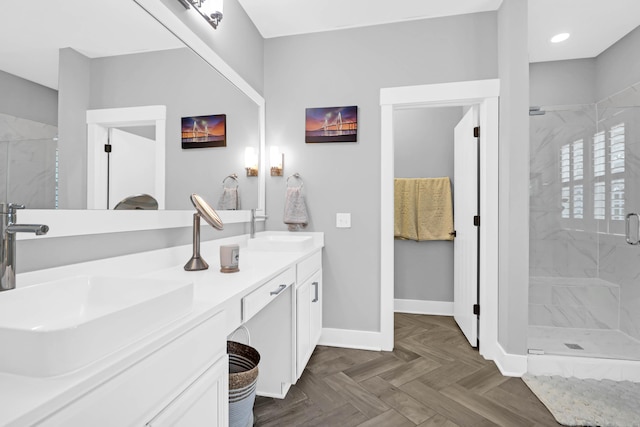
column 11, row 211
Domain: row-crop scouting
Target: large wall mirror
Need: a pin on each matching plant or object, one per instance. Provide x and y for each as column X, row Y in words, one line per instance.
column 63, row 58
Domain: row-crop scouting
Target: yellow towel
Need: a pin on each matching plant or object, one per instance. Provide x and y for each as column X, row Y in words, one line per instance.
column 423, row 209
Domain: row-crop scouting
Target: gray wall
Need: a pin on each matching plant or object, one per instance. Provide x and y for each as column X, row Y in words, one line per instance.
column 619, row 66
column 423, row 139
column 563, row 82
column 74, row 80
column 513, row 269
column 41, row 253
column 29, row 100
column 345, row 177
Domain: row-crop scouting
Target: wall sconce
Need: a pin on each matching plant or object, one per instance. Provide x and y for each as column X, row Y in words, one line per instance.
column 211, row 10
column 276, row 159
column 251, row 161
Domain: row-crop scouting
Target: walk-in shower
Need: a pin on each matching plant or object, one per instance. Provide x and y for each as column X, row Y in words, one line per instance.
column 584, row 287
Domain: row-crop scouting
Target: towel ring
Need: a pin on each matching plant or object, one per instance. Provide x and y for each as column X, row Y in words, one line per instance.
column 232, row 176
column 296, row 176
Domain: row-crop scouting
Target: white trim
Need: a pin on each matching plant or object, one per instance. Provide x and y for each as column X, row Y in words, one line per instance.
column 387, row 244
column 510, row 365
column 489, row 212
column 482, row 92
column 433, row 308
column 63, row 223
column 457, row 93
column 346, row 338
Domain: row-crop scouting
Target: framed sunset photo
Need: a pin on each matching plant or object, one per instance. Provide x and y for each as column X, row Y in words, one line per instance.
column 204, row 131
column 331, row 124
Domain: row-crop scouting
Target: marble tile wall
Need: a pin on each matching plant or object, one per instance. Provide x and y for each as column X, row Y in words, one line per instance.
column 583, row 273
column 558, row 247
column 27, row 162
column 573, row 303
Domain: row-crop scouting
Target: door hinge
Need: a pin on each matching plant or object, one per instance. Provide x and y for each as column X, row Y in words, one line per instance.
column 107, row 148
column 476, row 132
column 476, row 220
column 476, row 309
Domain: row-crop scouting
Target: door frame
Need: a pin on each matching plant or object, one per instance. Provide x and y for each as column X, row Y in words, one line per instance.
column 98, row 124
column 485, row 94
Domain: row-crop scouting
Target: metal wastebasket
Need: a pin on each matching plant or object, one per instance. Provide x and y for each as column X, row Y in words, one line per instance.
column 243, row 379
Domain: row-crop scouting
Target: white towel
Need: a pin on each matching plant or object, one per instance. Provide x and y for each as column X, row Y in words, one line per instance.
column 228, row 199
column 295, row 209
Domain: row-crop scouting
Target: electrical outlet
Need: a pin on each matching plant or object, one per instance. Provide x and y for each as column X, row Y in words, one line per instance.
column 343, row 220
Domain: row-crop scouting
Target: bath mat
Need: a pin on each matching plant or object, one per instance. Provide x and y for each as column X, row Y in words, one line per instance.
column 578, row 402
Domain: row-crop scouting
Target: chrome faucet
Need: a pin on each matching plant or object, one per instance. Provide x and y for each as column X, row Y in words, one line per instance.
column 252, row 233
column 8, row 230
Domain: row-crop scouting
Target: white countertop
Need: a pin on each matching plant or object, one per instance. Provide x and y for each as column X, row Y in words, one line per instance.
column 26, row 400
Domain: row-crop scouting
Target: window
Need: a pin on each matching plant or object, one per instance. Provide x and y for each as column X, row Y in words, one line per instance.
column 599, row 200
column 616, row 168
column 566, row 202
column 605, row 198
column 572, row 172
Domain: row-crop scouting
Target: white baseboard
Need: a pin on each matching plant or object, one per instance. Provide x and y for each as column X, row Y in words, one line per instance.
column 510, row 365
column 363, row 340
column 434, row 308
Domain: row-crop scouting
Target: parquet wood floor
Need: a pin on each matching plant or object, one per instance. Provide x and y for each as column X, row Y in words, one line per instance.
column 432, row 378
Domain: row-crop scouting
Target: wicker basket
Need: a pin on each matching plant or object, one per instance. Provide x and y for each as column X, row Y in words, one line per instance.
column 243, row 378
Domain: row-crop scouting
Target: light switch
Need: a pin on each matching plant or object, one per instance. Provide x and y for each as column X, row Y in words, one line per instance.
column 343, row 220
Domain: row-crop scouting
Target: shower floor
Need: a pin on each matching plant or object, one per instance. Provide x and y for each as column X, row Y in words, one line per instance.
column 599, row 343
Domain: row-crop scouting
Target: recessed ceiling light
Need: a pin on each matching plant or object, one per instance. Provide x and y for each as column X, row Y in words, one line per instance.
column 560, row 37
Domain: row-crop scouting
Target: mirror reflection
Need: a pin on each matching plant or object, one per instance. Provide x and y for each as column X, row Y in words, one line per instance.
column 71, row 61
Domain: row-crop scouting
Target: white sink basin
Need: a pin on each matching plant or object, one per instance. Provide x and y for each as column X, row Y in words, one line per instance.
column 280, row 243
column 56, row 327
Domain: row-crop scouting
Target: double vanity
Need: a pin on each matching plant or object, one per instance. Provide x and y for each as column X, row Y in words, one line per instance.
column 137, row 340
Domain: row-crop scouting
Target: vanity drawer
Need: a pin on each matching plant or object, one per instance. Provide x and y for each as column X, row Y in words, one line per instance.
column 309, row 266
column 258, row 299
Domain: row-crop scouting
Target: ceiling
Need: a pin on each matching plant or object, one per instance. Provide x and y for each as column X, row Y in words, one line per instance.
column 594, row 24
column 31, row 32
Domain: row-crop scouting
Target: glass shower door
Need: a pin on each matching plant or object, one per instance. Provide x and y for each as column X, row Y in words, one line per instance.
column 584, row 277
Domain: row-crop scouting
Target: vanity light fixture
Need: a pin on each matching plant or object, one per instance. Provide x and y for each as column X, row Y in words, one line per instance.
column 211, row 10
column 560, row 37
column 276, row 159
column 251, row 161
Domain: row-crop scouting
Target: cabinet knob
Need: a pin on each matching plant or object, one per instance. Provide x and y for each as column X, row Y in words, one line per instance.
column 315, row 299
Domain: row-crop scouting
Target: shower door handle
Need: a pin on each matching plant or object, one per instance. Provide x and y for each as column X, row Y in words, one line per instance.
column 627, row 229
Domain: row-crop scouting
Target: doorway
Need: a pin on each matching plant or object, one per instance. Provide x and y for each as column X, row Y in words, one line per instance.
column 484, row 94
column 141, row 160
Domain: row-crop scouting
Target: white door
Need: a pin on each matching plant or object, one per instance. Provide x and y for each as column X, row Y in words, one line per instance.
column 132, row 166
column 465, row 207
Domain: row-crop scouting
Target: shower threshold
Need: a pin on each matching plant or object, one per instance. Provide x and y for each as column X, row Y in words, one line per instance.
column 596, row 343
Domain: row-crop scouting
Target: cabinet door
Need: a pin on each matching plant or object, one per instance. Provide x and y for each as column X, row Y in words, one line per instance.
column 303, row 319
column 204, row 402
column 315, row 322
